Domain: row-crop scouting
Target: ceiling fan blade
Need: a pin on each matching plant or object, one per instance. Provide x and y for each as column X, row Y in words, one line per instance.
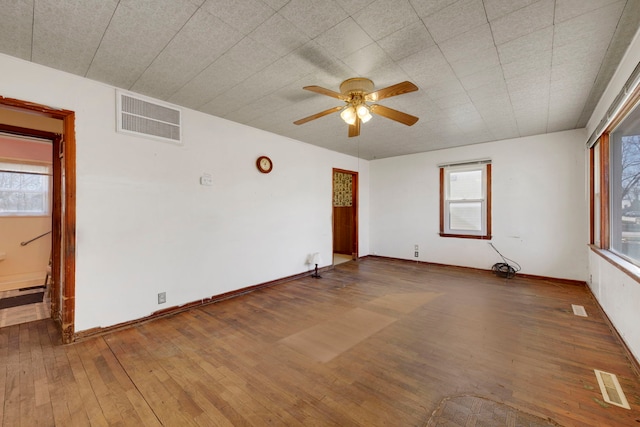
column 354, row 129
column 317, row 115
column 392, row 114
column 387, row 92
column 328, row 92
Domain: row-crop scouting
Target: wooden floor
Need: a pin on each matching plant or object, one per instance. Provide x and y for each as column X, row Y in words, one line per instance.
column 24, row 313
column 400, row 338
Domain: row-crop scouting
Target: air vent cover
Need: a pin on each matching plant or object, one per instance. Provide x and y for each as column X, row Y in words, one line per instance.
column 610, row 389
column 579, row 310
column 148, row 118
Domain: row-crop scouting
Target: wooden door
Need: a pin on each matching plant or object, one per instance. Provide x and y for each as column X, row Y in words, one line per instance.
column 345, row 212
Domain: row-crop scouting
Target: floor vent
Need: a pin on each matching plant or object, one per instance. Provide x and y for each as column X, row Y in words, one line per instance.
column 611, row 390
column 148, row 118
column 579, row 310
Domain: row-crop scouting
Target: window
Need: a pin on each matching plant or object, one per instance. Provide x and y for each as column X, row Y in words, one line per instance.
column 24, row 189
column 624, row 142
column 614, row 181
column 465, row 200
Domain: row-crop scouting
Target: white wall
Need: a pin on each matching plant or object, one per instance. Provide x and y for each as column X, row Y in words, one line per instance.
column 619, row 296
column 23, row 266
column 539, row 206
column 145, row 225
column 617, row 293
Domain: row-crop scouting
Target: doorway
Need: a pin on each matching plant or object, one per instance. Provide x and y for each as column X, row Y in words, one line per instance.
column 345, row 215
column 63, row 207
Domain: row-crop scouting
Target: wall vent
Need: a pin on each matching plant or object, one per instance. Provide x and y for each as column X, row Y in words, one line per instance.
column 611, row 390
column 579, row 310
column 137, row 115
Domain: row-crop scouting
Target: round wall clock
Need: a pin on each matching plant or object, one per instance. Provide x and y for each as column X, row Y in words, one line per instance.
column 264, row 164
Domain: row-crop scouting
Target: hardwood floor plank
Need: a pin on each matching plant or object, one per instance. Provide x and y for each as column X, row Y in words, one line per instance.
column 86, row 390
column 448, row 332
column 11, row 384
column 149, row 377
column 111, row 394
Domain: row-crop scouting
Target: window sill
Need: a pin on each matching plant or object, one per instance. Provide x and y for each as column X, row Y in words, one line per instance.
column 26, row 216
column 466, row 236
column 631, row 270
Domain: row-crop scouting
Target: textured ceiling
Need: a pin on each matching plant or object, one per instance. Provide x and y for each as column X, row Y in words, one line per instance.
column 486, row 69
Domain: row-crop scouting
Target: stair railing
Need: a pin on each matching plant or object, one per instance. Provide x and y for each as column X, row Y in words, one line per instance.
column 35, row 238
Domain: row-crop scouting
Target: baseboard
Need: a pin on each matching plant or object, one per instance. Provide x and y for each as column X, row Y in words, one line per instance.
column 555, row 279
column 527, row 276
column 635, row 364
column 90, row 333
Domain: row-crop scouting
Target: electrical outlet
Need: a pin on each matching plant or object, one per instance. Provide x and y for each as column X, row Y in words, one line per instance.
column 162, row 297
column 206, row 179
column 415, row 254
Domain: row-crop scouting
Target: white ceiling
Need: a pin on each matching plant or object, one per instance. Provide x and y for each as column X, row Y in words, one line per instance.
column 486, row 69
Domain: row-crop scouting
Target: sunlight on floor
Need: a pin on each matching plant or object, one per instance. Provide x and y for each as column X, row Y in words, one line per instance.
column 340, row 258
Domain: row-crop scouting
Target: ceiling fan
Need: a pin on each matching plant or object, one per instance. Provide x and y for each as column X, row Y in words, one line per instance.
column 356, row 93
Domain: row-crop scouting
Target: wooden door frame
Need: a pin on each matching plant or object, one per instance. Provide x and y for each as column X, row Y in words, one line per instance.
column 63, row 310
column 354, row 193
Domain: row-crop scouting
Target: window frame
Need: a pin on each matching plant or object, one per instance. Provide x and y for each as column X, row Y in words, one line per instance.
column 601, row 148
column 445, row 170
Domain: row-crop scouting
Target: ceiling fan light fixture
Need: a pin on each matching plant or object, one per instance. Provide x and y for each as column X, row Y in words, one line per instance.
column 349, row 115
column 356, row 92
column 363, row 113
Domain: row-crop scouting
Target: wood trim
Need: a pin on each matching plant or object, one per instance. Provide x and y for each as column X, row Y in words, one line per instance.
column 592, row 161
column 356, row 205
column 56, row 236
column 68, row 236
column 555, row 279
column 69, row 243
column 35, row 133
column 442, row 202
column 43, row 110
column 605, row 241
column 90, row 333
column 486, row 236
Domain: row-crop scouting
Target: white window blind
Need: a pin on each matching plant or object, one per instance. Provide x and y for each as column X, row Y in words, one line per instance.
column 24, row 189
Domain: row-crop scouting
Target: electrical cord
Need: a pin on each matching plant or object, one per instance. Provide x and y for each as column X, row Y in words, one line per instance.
column 504, row 269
